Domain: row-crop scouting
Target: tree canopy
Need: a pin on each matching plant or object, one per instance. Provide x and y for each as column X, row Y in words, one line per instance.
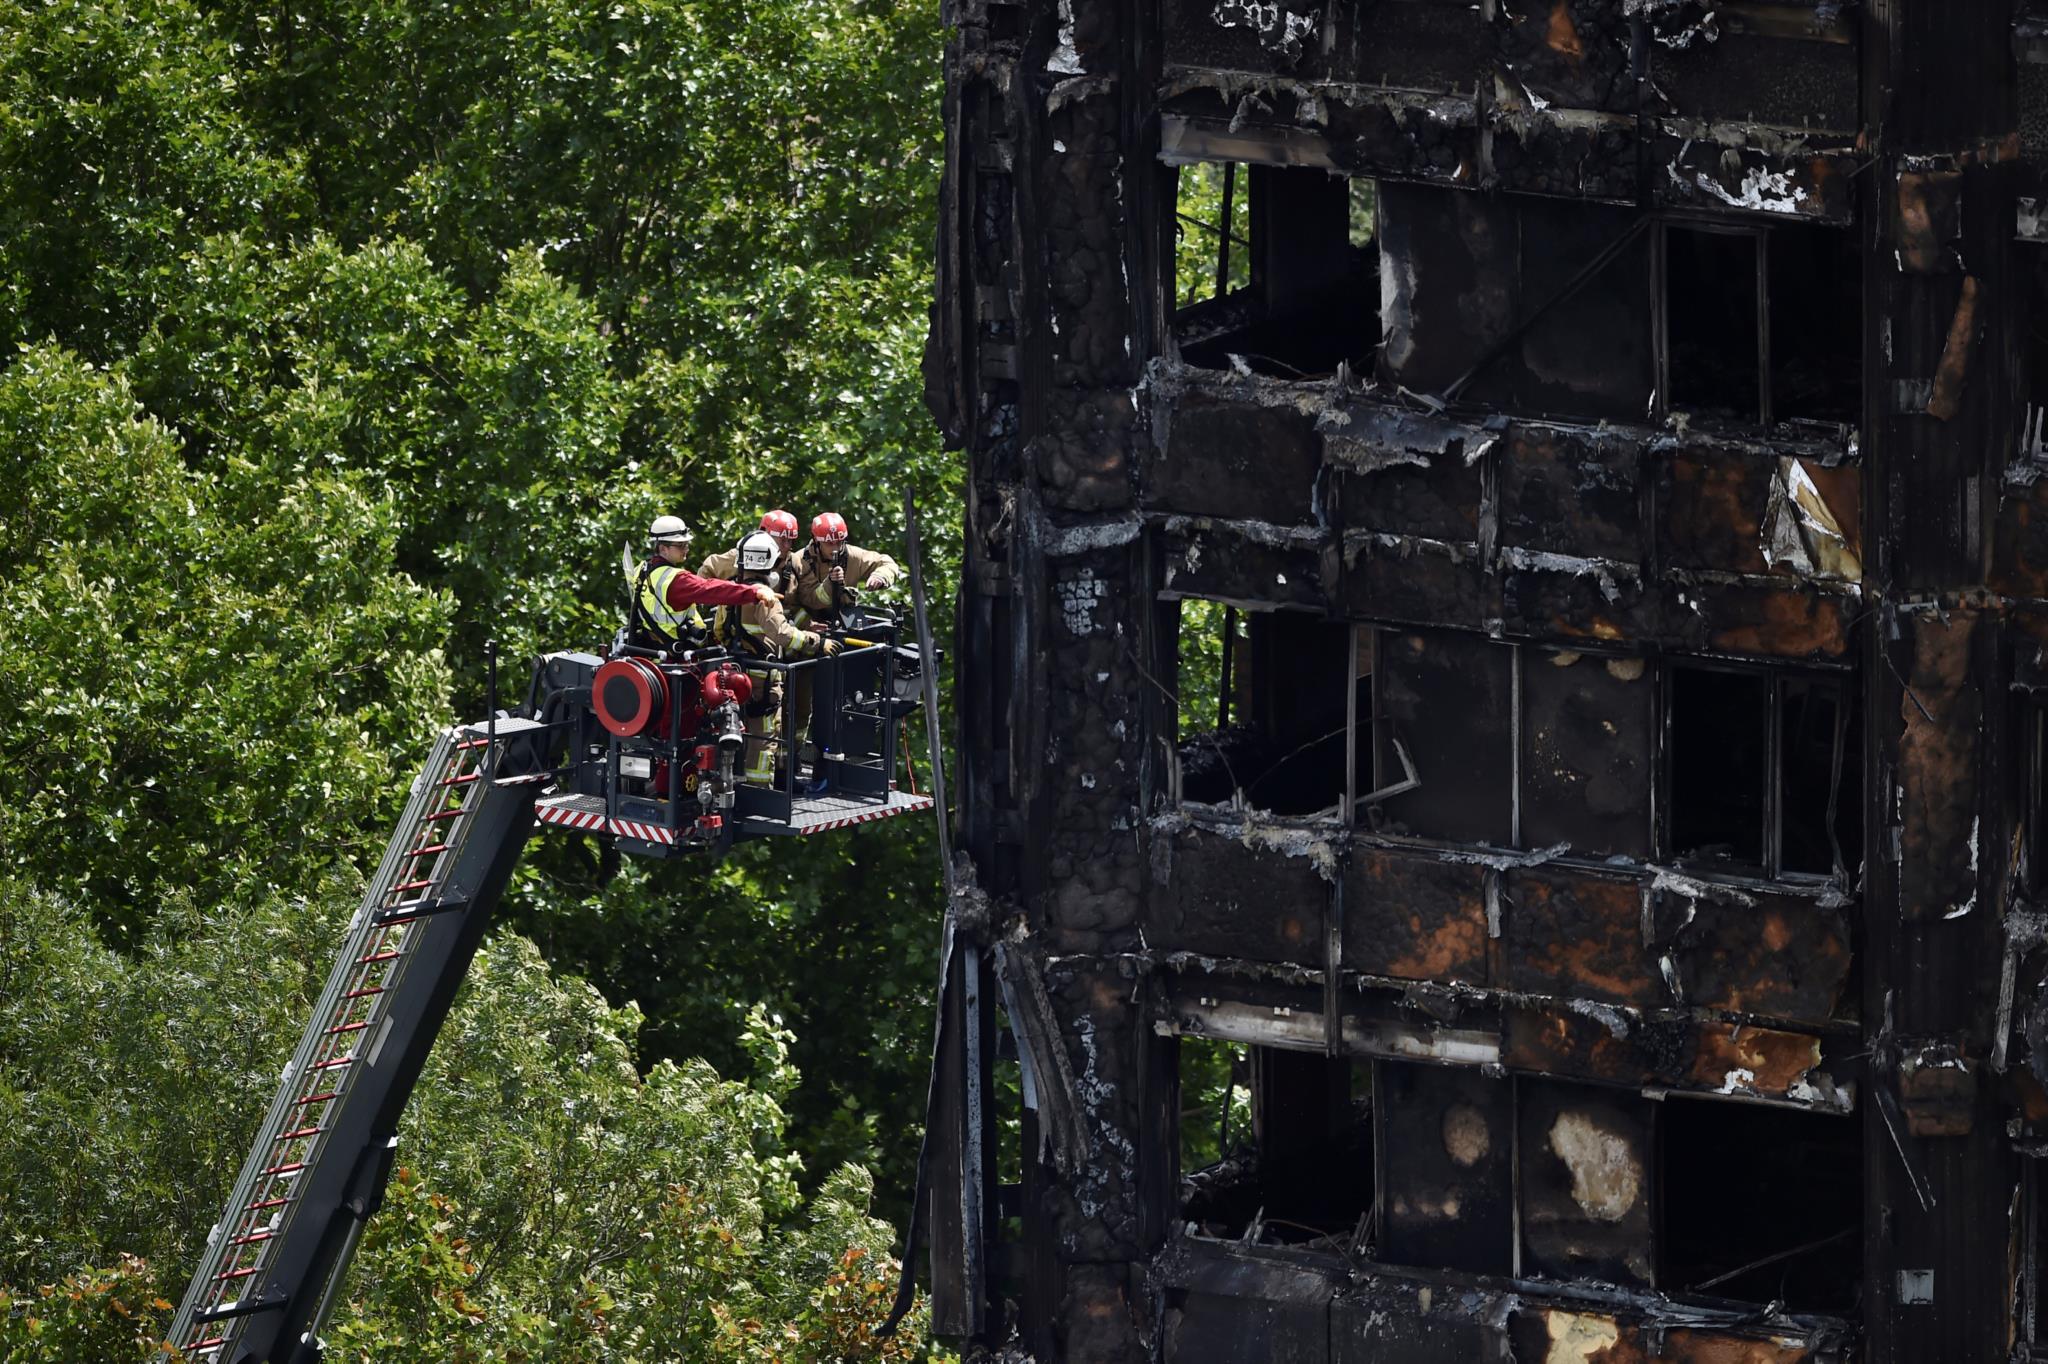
column 337, row 338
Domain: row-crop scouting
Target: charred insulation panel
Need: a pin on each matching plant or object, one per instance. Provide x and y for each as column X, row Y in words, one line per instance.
column 1446, row 704
column 1446, row 1142
column 1586, row 769
column 1588, row 1180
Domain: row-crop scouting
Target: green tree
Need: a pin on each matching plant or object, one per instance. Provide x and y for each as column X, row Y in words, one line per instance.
column 121, row 142
column 386, row 321
column 202, row 689
column 555, row 1203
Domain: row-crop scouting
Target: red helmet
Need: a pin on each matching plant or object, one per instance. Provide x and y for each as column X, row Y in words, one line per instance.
column 779, row 522
column 829, row 528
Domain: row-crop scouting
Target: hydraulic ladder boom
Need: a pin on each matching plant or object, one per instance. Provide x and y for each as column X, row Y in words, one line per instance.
column 643, row 771
column 275, row 1261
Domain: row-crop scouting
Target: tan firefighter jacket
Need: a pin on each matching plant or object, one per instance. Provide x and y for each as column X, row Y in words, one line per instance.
column 812, row 593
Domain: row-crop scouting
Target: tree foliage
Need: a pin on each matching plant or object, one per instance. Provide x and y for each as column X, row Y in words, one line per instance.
column 337, row 337
column 557, row 1204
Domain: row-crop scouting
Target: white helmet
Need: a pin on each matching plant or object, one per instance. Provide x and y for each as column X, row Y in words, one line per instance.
column 668, row 530
column 759, row 553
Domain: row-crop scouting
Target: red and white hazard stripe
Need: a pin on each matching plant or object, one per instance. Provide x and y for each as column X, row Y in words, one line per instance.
column 571, row 818
column 646, row 833
column 868, row 816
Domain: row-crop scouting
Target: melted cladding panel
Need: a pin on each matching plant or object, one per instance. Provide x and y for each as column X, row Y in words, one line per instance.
column 1779, row 956
column 1446, row 1138
column 1222, row 898
column 1221, row 1308
column 1751, row 78
column 1448, row 699
column 1587, row 726
column 1235, row 460
column 1711, row 510
column 1434, row 495
column 1574, row 934
column 1587, row 1181
column 1389, row 1320
column 1570, row 53
column 1412, row 917
column 1570, row 491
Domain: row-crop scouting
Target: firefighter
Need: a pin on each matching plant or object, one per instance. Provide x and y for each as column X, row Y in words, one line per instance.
column 827, row 575
column 829, row 570
column 760, row 630
column 778, row 523
column 666, row 595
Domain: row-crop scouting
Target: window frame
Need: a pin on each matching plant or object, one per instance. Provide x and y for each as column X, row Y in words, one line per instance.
column 1776, row 680
column 1387, row 771
column 1661, row 310
column 1238, row 616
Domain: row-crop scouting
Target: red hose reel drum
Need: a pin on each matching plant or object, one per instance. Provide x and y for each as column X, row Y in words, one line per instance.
column 629, row 695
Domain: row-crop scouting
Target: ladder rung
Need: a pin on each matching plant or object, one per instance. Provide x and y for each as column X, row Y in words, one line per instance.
column 234, row 1274
column 434, row 848
column 246, row 1307
column 291, row 1167
column 316, row 1098
column 446, row 814
column 377, row 956
column 331, row 1065
column 463, row 780
column 473, row 743
column 345, row 1027
column 253, row 1237
column 267, row 1203
column 366, row 990
column 422, row 908
column 296, row 1133
column 209, row 1344
column 412, row 885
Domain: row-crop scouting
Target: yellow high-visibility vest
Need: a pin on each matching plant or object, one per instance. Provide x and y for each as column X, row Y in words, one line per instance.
column 651, row 603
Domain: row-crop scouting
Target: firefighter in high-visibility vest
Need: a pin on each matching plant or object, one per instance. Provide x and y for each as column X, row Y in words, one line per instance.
column 665, row 595
column 778, row 523
column 760, row 629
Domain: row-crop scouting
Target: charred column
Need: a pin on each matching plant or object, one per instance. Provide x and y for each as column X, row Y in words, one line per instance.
column 1941, row 340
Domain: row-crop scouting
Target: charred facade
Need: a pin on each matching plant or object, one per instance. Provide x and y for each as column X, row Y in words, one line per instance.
column 1587, row 456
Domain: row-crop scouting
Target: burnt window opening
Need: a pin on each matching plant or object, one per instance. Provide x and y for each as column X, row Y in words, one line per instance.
column 1212, row 229
column 2033, row 262
column 1294, row 1131
column 1764, row 771
column 1274, row 269
column 1820, row 775
column 1215, row 1101
column 1587, row 724
column 1814, row 280
column 1262, row 708
column 1440, row 750
column 1760, row 1204
column 1713, row 285
column 1761, row 325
